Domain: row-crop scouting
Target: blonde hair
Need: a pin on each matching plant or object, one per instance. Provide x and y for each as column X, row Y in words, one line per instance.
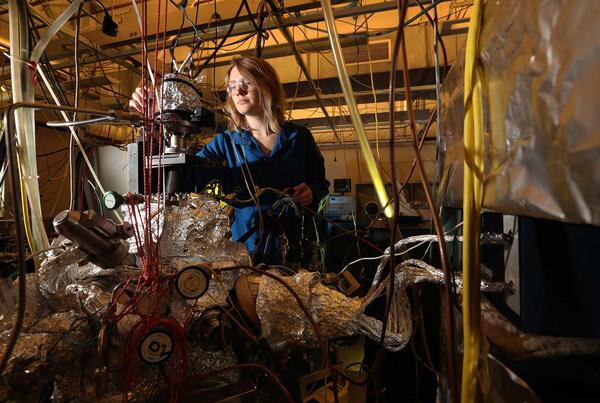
column 270, row 93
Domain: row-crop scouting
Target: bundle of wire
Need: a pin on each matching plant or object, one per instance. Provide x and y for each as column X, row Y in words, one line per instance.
column 150, row 287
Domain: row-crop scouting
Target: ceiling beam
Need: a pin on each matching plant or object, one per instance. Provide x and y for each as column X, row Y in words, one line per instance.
column 86, row 42
column 315, row 45
column 268, row 52
column 420, row 115
column 219, row 25
column 362, row 82
column 186, row 37
column 363, row 97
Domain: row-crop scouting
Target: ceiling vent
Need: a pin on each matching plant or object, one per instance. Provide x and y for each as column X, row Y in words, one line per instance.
column 380, row 52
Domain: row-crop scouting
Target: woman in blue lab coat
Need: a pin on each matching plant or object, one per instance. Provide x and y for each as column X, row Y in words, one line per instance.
column 263, row 150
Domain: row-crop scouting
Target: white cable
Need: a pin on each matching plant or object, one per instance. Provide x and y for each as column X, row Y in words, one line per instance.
column 24, row 125
column 384, row 255
column 74, row 136
column 252, row 194
column 53, row 29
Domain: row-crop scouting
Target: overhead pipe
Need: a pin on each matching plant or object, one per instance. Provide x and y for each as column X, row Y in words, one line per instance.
column 352, row 107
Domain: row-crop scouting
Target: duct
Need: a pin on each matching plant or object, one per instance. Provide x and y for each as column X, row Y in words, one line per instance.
column 486, row 238
column 414, row 271
column 541, row 141
column 283, row 321
column 519, row 346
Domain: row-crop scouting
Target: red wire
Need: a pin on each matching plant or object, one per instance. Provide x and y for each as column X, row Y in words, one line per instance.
column 150, row 285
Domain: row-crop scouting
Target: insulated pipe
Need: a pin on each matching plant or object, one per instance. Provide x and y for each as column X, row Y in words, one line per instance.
column 23, row 91
column 354, row 114
column 288, row 37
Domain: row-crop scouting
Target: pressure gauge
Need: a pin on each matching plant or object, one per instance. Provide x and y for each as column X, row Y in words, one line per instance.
column 112, row 200
column 156, row 346
column 192, row 282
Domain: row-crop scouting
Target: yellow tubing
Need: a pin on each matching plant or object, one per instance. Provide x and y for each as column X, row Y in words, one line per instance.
column 353, row 109
column 472, row 197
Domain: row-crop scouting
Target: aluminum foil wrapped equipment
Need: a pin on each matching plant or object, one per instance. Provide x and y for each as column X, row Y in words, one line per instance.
column 336, row 315
column 180, row 93
column 542, row 130
column 183, row 110
column 64, row 338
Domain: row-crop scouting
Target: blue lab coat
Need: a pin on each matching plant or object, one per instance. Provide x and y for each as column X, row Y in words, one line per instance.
column 295, row 158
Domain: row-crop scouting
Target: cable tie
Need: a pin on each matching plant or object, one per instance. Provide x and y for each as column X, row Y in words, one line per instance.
column 31, row 66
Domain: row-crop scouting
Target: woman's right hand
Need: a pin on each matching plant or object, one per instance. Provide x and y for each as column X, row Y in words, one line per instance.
column 137, row 99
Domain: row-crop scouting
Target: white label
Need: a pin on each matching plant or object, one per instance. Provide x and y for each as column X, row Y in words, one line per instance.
column 156, row 347
column 192, row 282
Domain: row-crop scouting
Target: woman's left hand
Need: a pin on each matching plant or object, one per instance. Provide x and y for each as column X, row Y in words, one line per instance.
column 303, row 194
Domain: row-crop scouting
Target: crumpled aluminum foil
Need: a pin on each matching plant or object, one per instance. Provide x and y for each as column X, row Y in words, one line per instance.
column 414, row 271
column 35, row 306
column 541, row 145
column 180, row 93
column 196, row 225
column 485, row 238
column 45, row 346
column 67, row 285
column 195, row 231
column 335, row 314
column 522, row 346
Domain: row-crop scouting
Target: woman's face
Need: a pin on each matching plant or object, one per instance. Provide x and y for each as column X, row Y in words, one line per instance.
column 244, row 94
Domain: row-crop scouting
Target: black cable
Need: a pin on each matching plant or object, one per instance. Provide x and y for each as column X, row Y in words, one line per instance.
column 176, row 40
column 252, row 21
column 76, row 57
column 241, row 40
column 110, row 86
column 259, row 39
column 220, row 45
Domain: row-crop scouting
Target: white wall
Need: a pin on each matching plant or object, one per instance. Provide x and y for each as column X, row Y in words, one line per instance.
column 348, row 162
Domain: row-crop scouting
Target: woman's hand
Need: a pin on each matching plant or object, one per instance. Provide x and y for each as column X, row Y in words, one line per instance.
column 303, row 194
column 137, row 99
